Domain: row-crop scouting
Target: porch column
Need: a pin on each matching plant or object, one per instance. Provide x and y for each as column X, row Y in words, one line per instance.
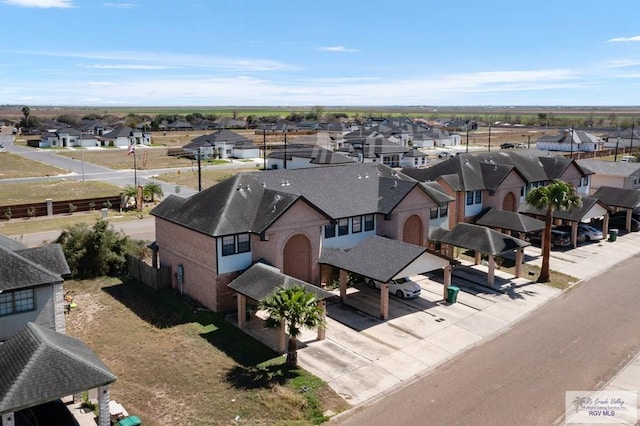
column 447, row 282
column 242, row 309
column 322, row 329
column 476, row 258
column 282, row 339
column 574, row 234
column 491, row 273
column 104, row 419
column 8, row 419
column 343, row 285
column 384, row 301
column 605, row 226
column 519, row 258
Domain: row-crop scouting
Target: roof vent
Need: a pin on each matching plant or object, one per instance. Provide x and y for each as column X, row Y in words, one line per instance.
column 366, row 175
column 359, row 177
column 395, row 183
column 264, row 184
column 239, row 188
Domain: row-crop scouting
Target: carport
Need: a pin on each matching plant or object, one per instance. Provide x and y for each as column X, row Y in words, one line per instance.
column 39, row 365
column 262, row 280
column 383, row 259
column 619, row 199
column 483, row 240
column 591, row 208
column 512, row 222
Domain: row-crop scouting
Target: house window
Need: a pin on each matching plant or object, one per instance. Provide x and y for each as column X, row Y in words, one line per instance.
column 15, row 302
column 232, row 244
column 584, row 181
column 469, row 198
column 368, row 222
column 330, row 230
column 244, row 244
column 522, row 191
column 433, row 213
column 343, row 227
column 356, row 224
column 444, row 210
column 478, row 197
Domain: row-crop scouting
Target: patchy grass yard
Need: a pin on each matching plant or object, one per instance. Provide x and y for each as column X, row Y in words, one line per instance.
column 16, row 166
column 177, row 365
column 117, row 158
column 57, row 190
column 209, row 176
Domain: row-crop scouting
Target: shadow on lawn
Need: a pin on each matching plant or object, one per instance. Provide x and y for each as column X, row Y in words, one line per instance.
column 164, row 309
column 260, row 377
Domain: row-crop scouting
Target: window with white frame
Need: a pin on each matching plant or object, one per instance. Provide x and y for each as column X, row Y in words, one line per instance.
column 14, row 302
column 474, row 197
column 330, row 230
column 356, row 224
column 343, row 227
column 369, row 222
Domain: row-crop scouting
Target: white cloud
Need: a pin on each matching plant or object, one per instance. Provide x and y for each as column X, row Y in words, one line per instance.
column 624, row 39
column 337, row 49
column 620, row 63
column 43, row 4
column 126, row 67
column 119, row 5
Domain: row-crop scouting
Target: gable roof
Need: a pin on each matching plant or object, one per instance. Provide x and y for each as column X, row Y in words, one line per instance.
column 576, row 214
column 618, row 197
column 482, row 239
column 261, row 280
column 222, row 135
column 609, row 168
column 248, row 202
column 119, row 132
column 473, row 171
column 10, row 244
column 32, row 267
column 317, row 154
column 39, row 365
column 512, row 221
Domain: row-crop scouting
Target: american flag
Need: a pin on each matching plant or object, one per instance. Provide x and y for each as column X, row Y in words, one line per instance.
column 132, row 149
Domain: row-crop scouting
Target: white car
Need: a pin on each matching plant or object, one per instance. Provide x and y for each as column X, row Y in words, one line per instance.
column 588, row 233
column 401, row 287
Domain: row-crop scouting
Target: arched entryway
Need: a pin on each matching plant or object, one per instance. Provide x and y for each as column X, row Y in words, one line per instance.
column 412, row 230
column 297, row 258
column 509, row 203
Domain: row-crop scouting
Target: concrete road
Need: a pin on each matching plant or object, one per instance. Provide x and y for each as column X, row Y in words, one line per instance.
column 576, row 342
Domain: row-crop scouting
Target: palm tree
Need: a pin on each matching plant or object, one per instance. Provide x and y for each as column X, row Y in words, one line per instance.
column 130, row 192
column 558, row 195
column 26, row 111
column 293, row 308
column 151, row 190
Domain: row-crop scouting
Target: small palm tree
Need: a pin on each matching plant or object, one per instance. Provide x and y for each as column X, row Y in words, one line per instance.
column 293, row 308
column 151, row 190
column 26, row 111
column 558, row 195
column 129, row 193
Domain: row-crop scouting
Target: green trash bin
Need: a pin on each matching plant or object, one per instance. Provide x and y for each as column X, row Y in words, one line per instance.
column 613, row 234
column 452, row 294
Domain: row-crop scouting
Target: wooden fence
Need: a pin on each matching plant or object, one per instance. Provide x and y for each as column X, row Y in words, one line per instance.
column 50, row 207
column 157, row 279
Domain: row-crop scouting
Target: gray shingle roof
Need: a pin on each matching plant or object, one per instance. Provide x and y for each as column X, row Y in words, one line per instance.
column 509, row 220
column 261, row 280
column 618, row 197
column 10, row 244
column 21, row 269
column 222, row 135
column 482, row 239
column 248, row 202
column 609, row 168
column 365, row 258
column 576, row 214
column 38, row 365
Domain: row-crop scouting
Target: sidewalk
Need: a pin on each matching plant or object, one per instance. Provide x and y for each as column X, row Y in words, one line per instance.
column 364, row 358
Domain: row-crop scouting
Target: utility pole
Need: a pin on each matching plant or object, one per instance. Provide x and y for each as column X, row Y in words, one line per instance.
column 633, row 125
column 264, row 146
column 285, row 146
column 615, row 157
column 199, row 170
column 82, row 155
column 489, row 137
column 572, row 141
column 528, row 141
column 467, row 126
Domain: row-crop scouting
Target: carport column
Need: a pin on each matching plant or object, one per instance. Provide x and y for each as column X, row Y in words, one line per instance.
column 282, row 339
column 384, row 301
column 519, row 257
column 574, row 234
column 343, row 285
column 8, row 419
column 477, row 257
column 605, row 225
column 492, row 270
column 104, row 419
column 242, row 309
column 447, row 281
column 322, row 330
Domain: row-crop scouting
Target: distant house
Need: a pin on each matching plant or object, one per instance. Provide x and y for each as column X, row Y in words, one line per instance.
column 31, row 286
column 413, row 158
column 123, row 136
column 376, row 148
column 626, row 138
column 300, row 156
column 612, row 174
column 570, row 140
column 65, row 138
column 223, row 144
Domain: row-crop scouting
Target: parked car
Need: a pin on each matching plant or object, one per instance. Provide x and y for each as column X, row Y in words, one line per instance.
column 401, row 287
column 507, row 145
column 559, row 238
column 444, row 154
column 620, row 222
column 628, row 159
column 587, row 232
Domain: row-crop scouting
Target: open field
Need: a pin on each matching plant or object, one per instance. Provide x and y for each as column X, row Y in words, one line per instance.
column 177, row 365
column 17, row 166
column 57, row 190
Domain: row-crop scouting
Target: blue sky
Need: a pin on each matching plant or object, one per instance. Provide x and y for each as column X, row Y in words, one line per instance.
column 298, row 53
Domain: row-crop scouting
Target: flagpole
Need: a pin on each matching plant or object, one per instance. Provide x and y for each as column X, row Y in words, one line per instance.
column 135, row 170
